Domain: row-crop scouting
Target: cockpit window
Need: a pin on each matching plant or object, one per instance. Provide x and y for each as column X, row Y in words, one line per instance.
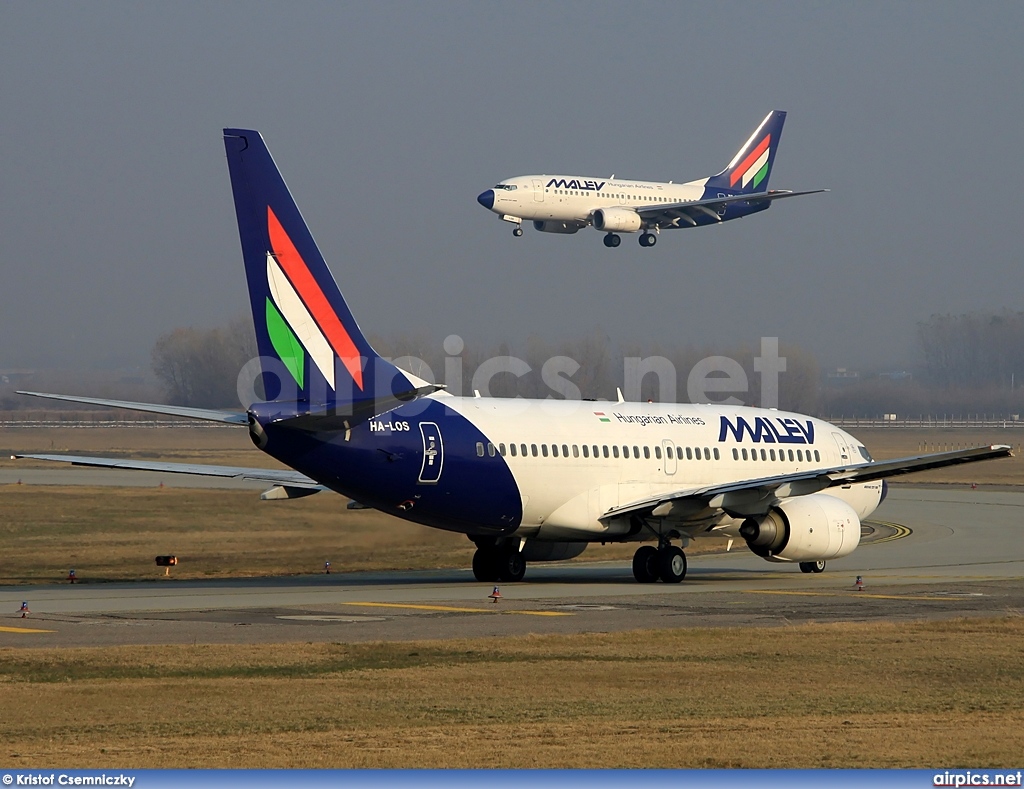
column 864, row 453
column 506, row 187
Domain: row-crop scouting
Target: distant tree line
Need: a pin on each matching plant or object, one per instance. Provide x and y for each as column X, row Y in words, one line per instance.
column 969, row 364
column 973, row 351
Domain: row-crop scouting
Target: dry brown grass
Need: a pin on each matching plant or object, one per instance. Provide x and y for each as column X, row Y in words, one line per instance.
column 859, row 695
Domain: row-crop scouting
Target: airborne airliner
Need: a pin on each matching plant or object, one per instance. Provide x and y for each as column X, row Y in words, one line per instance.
column 525, row 480
column 568, row 203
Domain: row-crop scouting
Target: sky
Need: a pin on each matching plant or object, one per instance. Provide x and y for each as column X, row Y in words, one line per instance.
column 388, row 118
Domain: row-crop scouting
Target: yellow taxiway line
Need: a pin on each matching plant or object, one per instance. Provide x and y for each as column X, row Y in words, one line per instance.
column 454, row 609
column 22, row 630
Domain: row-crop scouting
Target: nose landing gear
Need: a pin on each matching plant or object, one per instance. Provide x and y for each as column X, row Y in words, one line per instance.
column 517, row 231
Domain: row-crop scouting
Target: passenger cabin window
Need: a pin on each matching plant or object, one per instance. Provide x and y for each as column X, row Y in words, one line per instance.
column 554, row 450
column 647, row 453
column 479, row 449
column 586, row 451
column 512, row 447
column 605, row 450
column 522, row 448
column 817, row 457
column 490, row 449
column 565, row 450
column 717, row 456
column 669, row 454
column 576, row 450
column 735, row 454
column 657, row 453
column 615, row 451
column 544, row 450
column 689, row 454
column 533, row 450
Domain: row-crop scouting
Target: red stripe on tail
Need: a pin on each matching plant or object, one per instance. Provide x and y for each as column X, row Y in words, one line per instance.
column 311, row 294
column 745, row 164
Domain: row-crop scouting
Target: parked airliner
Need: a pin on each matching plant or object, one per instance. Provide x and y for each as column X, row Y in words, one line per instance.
column 568, row 203
column 525, row 480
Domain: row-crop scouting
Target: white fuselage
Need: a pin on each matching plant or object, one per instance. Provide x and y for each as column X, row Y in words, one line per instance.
column 570, row 198
column 573, row 461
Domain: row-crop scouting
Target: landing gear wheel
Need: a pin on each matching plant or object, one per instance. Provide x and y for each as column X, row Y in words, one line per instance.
column 517, row 232
column 645, row 564
column 612, row 240
column 648, row 239
column 486, row 564
column 671, row 564
column 812, row 567
column 512, row 567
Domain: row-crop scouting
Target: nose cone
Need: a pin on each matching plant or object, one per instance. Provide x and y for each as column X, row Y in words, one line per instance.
column 486, row 199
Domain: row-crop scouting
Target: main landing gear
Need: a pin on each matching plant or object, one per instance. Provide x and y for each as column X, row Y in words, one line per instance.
column 667, row 563
column 612, row 240
column 812, row 567
column 648, row 239
column 499, row 563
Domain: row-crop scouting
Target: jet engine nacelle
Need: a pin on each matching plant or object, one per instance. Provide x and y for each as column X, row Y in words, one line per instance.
column 555, row 227
column 804, row 529
column 617, row 220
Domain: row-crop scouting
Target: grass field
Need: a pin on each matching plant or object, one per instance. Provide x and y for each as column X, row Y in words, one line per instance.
column 843, row 695
column 819, row 695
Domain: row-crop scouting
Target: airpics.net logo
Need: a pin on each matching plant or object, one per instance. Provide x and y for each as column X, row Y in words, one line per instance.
column 721, row 380
column 970, row 778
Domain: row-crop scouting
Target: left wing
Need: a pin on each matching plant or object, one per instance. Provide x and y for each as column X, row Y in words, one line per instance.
column 683, row 214
column 206, row 414
column 292, row 483
column 756, row 496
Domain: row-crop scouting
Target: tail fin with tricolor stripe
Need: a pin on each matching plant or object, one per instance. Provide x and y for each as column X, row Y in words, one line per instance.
column 312, row 351
column 750, row 168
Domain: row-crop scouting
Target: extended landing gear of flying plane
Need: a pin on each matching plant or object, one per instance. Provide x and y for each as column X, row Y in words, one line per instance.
column 648, row 239
column 517, row 231
column 497, row 563
column 812, row 567
column 667, row 563
column 612, row 240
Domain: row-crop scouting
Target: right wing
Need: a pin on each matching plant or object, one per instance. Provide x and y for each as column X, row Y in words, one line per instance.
column 751, row 497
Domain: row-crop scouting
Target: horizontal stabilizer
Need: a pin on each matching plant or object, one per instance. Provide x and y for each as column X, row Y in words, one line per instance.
column 285, row 477
column 205, row 414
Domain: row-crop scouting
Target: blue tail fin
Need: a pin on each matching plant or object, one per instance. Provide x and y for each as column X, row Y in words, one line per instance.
column 309, row 343
column 750, row 167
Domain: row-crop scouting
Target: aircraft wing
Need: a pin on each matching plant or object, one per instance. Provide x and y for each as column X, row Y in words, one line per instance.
column 756, row 496
column 207, row 414
column 286, row 478
column 684, row 214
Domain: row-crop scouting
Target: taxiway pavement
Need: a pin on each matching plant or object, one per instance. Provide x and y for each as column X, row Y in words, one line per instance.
column 960, row 553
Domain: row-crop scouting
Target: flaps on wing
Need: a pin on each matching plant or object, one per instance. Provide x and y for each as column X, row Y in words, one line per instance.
column 206, row 414
column 284, row 477
column 756, row 496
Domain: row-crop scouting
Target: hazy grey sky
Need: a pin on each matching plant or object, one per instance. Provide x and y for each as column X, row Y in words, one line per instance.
column 387, row 119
